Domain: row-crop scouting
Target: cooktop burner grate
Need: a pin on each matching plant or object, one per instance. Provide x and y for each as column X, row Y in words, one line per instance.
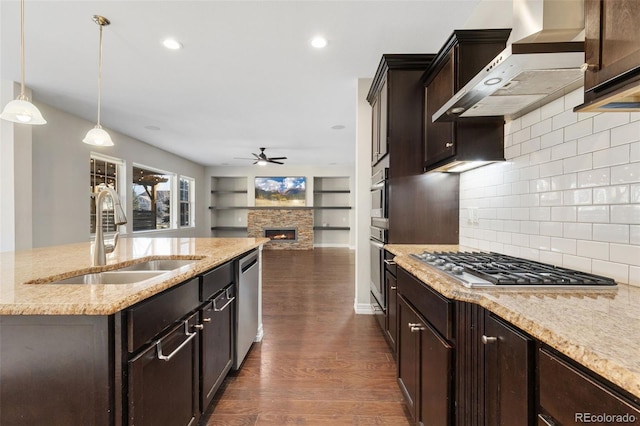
column 503, row 270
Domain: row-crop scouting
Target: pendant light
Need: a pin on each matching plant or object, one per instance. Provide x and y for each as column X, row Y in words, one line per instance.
column 21, row 110
column 98, row 136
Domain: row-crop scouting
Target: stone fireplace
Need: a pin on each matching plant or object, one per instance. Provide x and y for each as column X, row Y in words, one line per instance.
column 288, row 228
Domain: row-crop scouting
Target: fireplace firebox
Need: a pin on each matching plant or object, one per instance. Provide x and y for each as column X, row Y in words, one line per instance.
column 281, row 235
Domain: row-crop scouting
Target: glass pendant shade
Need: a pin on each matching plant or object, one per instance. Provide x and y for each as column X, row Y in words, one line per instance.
column 98, row 137
column 22, row 111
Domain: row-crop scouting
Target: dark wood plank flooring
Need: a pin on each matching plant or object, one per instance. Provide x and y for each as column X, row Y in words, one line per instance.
column 319, row 363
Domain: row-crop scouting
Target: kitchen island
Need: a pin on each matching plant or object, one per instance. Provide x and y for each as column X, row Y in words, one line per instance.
column 596, row 330
column 113, row 354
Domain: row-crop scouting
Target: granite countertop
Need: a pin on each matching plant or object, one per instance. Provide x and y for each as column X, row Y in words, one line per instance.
column 24, row 274
column 599, row 329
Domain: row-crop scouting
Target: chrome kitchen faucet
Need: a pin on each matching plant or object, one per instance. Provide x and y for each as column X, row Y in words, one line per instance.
column 100, row 249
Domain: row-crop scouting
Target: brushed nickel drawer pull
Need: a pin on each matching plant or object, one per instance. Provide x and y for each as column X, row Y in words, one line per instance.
column 190, row 337
column 488, row 340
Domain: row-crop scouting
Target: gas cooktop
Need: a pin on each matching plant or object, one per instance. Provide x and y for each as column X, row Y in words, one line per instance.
column 477, row 269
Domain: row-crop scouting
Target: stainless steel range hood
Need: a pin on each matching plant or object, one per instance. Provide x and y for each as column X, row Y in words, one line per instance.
column 530, row 72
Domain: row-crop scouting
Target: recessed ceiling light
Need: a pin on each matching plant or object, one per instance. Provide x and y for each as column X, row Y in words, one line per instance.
column 493, row 81
column 319, row 42
column 172, row 44
column 338, row 127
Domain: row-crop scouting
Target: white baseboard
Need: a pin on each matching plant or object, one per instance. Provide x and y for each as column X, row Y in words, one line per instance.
column 363, row 308
column 259, row 334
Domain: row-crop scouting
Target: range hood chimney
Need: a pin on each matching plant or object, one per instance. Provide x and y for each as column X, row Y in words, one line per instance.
column 543, row 64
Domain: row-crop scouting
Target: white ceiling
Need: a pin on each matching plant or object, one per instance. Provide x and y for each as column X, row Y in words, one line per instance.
column 246, row 77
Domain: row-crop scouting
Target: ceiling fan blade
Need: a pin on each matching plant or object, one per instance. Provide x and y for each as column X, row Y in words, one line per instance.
column 275, row 162
column 243, row 158
column 277, row 158
column 255, row 155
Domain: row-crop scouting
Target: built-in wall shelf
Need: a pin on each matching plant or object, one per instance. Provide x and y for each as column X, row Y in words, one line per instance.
column 229, row 228
column 331, row 228
column 332, row 191
column 229, row 207
column 332, row 207
column 229, row 200
column 243, row 191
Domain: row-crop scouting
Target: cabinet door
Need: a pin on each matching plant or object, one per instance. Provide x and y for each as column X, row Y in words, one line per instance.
column 383, row 141
column 612, row 39
column 439, row 137
column 408, row 355
column 375, row 130
column 163, row 380
column 392, row 310
column 216, row 351
column 509, row 375
column 436, row 401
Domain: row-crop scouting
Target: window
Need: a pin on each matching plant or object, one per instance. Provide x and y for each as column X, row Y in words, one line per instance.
column 186, row 190
column 103, row 170
column 152, row 199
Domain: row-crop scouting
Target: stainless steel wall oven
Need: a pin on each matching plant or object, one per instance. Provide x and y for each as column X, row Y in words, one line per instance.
column 377, row 239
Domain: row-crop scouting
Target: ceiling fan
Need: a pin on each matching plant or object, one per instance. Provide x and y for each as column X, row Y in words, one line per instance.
column 262, row 159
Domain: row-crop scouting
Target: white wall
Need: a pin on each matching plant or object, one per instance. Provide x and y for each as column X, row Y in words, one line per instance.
column 568, row 194
column 61, row 178
column 251, row 171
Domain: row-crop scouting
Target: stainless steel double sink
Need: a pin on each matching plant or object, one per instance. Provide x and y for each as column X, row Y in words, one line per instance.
column 129, row 274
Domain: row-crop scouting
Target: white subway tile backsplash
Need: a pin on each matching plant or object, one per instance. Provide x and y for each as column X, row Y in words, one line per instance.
column 594, row 142
column 553, row 168
column 578, row 130
column 611, row 233
column 625, row 253
column 628, row 173
column 552, row 229
column 563, row 245
column 568, row 195
column 596, row 177
column 541, row 128
column 625, row 134
column 611, row 195
column 626, row 213
column 611, row 157
column 551, row 198
column 578, row 163
column 554, row 138
column 562, row 182
column 530, row 118
column 579, row 231
column 617, row 271
column 593, row 249
column 608, row 120
column 564, row 214
column 575, row 262
column 565, row 150
column 593, row 214
column 564, row 119
column 576, row 197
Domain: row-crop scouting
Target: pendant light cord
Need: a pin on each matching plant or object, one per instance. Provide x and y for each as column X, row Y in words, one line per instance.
column 100, row 75
column 22, row 96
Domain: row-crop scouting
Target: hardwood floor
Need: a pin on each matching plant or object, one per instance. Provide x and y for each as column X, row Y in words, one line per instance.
column 319, row 363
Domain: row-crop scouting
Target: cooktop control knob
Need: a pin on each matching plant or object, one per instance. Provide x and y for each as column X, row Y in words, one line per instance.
column 458, row 270
column 440, row 262
column 449, row 266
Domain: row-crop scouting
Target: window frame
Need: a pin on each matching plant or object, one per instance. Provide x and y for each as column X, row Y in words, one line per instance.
column 190, row 201
column 172, row 198
column 120, row 180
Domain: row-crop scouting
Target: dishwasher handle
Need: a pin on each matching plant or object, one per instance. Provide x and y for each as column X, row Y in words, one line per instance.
column 248, row 262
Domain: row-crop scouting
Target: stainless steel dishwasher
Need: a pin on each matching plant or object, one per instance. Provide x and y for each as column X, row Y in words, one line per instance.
column 248, row 273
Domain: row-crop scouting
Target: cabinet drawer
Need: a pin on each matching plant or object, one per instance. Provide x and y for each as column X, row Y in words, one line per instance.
column 437, row 309
column 566, row 393
column 147, row 319
column 389, row 265
column 215, row 280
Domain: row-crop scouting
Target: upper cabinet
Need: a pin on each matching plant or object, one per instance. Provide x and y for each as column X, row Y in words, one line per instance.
column 448, row 144
column 396, row 101
column 612, row 56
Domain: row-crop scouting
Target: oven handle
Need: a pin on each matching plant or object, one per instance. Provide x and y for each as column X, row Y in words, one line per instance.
column 376, row 186
column 389, row 262
column 376, row 244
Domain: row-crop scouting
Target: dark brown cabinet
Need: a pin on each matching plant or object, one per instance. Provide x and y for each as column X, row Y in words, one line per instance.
column 425, row 351
column 391, row 323
column 379, row 137
column 570, row 396
column 446, row 142
column 509, row 379
column 612, row 55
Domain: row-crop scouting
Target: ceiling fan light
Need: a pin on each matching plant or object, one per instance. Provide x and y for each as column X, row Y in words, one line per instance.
column 98, row 137
column 22, row 111
column 261, row 162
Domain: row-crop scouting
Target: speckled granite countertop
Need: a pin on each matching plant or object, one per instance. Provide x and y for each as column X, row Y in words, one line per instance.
column 17, row 269
column 600, row 329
